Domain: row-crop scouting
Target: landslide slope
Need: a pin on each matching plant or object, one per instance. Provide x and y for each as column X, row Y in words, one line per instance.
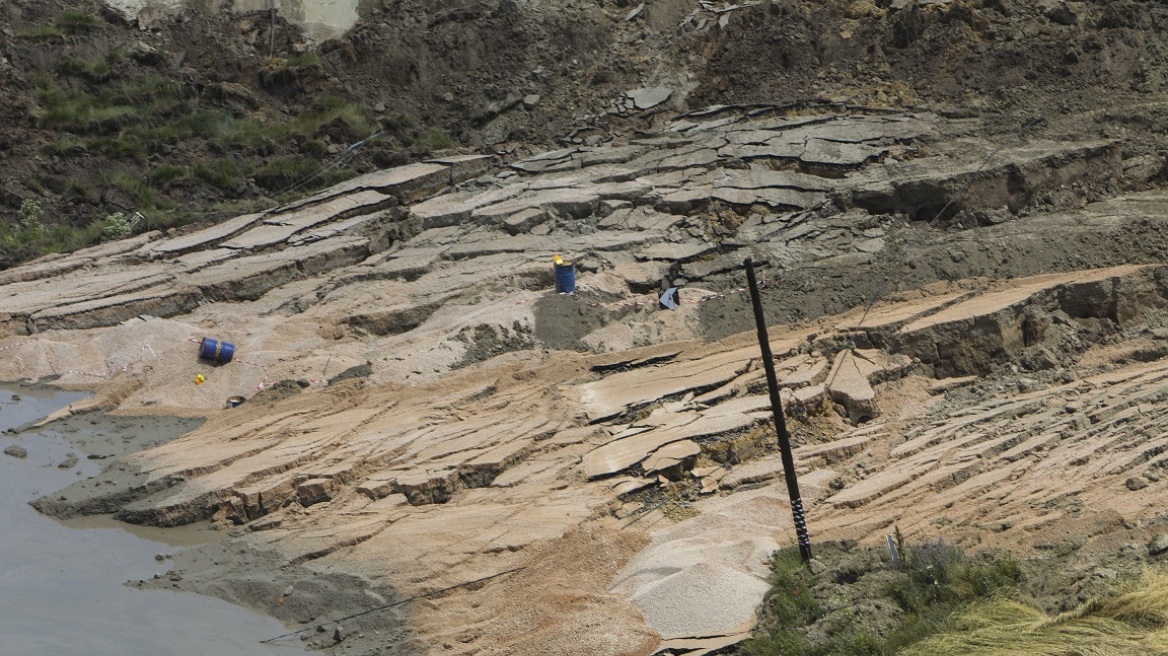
column 425, row 414
column 197, row 114
column 969, row 295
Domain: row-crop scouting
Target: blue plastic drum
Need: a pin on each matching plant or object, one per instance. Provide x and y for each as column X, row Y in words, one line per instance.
column 565, row 278
column 213, row 349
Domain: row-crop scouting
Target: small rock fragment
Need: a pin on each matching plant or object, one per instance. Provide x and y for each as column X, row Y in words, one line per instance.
column 16, row 451
column 649, row 97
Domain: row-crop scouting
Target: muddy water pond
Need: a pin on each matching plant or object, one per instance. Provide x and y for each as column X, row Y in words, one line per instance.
column 62, row 586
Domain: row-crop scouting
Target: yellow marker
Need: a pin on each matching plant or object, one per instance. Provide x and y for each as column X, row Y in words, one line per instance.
column 199, row 379
column 556, row 259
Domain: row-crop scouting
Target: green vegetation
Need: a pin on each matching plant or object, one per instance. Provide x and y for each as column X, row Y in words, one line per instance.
column 119, row 226
column 940, row 580
column 934, row 581
column 69, row 23
column 77, row 22
column 133, row 118
column 302, row 59
column 96, row 71
column 180, row 151
column 30, row 216
column 435, row 139
column 31, row 238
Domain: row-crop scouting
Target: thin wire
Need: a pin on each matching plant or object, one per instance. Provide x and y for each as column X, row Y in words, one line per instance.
column 342, row 158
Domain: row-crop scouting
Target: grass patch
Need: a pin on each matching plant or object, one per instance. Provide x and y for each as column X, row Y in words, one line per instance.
column 352, row 121
column 435, row 139
column 162, row 176
column 99, row 109
column 66, row 144
column 223, row 174
column 40, row 32
column 95, row 71
column 76, row 22
column 149, row 110
column 144, row 98
column 935, row 581
column 791, row 603
column 302, row 59
column 69, row 23
column 123, row 147
column 81, row 113
column 1134, row 623
column 280, row 173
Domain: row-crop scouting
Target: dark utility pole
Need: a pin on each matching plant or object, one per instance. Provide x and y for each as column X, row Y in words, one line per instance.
column 272, row 31
column 780, row 423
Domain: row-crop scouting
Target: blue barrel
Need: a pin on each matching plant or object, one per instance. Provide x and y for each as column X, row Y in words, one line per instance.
column 213, row 349
column 565, row 278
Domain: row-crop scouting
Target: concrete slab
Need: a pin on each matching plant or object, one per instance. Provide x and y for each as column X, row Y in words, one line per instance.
column 207, row 237
column 844, row 155
column 620, row 454
column 160, row 301
column 848, row 385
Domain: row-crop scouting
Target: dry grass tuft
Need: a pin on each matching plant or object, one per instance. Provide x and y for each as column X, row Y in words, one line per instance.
column 1132, row 624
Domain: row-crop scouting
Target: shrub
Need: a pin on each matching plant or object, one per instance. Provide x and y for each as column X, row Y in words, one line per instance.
column 76, row 22
column 119, row 226
column 30, row 216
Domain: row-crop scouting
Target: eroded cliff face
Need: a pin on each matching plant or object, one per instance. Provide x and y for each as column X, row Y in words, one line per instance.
column 196, row 112
column 423, row 410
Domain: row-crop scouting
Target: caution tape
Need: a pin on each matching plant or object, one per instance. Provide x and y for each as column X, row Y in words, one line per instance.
column 106, row 374
column 263, row 384
column 17, row 345
column 652, row 300
column 266, row 382
column 732, row 292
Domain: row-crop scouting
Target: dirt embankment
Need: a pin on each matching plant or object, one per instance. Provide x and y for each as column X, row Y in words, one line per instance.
column 189, row 116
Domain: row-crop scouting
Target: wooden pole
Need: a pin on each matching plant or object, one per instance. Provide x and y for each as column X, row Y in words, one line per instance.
column 780, row 423
column 272, row 31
